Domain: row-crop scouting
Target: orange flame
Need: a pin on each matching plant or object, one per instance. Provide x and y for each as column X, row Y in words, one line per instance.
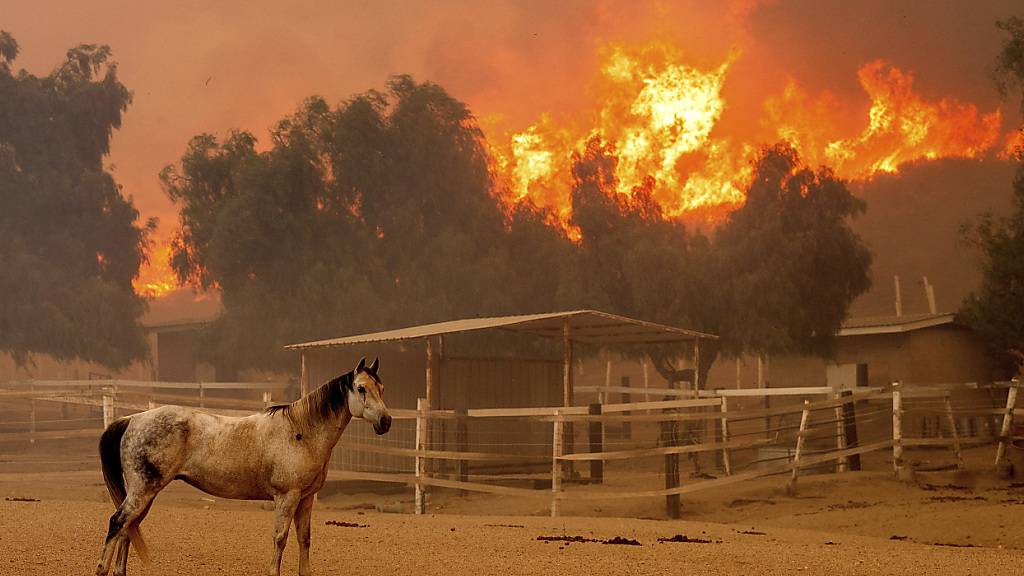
column 661, row 115
column 156, row 279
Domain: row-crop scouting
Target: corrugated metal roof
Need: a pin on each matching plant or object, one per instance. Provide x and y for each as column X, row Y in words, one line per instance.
column 893, row 324
column 588, row 326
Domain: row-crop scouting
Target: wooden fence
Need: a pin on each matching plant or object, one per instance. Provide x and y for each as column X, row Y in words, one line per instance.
column 818, row 427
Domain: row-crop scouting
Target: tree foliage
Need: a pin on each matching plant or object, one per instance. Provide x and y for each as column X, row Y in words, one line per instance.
column 384, row 211
column 778, row 276
column 379, row 212
column 70, row 243
column 996, row 309
column 1009, row 68
column 788, row 263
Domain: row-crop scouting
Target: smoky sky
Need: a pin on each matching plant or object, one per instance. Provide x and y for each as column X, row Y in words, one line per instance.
column 212, row 66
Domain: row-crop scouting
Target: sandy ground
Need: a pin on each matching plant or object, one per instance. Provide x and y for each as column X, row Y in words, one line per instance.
column 853, row 523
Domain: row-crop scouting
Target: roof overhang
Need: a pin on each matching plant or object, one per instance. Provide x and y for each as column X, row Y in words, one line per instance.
column 586, row 326
column 894, row 324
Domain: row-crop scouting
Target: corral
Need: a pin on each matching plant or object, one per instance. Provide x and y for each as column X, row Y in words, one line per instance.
column 821, row 466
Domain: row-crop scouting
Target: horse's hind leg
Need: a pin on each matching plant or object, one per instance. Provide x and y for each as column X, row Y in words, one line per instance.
column 121, row 557
column 130, row 511
column 121, row 564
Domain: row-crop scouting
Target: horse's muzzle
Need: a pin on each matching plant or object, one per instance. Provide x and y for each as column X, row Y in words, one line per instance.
column 383, row 424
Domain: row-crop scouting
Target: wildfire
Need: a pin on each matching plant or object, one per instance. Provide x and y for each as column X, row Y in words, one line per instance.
column 661, row 114
column 156, row 279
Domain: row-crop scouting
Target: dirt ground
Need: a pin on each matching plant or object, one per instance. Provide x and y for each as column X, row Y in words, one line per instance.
column 851, row 523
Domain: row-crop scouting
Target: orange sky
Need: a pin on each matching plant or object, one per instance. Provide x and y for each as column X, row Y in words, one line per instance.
column 211, row 66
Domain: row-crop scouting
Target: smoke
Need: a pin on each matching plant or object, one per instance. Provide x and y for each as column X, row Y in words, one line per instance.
column 913, row 227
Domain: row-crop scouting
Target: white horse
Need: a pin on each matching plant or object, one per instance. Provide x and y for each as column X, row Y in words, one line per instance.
column 279, row 454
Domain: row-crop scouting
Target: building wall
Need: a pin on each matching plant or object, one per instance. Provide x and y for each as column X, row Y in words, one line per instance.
column 460, row 383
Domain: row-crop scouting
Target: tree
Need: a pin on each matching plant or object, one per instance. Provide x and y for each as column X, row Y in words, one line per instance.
column 787, row 261
column 996, row 310
column 778, row 276
column 380, row 212
column 70, row 243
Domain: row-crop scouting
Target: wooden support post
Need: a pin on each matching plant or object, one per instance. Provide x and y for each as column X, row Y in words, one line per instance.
column 108, row 410
column 841, row 463
column 951, row 421
column 850, row 437
column 596, row 445
column 557, row 444
column 668, row 434
column 627, row 427
column 602, row 396
column 725, row 436
column 647, row 379
column 897, row 430
column 266, row 399
column 801, row 438
column 151, row 404
column 899, row 295
column 462, row 439
column 32, row 415
column 421, row 436
column 202, row 395
column 567, row 395
column 1004, row 430
column 303, row 377
column 428, row 392
column 696, row 367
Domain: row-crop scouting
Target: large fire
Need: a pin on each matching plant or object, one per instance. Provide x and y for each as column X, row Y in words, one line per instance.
column 156, row 279
column 661, row 115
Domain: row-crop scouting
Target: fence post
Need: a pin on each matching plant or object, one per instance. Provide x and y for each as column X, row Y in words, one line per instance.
column 596, row 444
column 842, row 464
column 668, row 435
column 1004, row 430
column 462, row 441
column 725, row 436
column 152, row 404
column 421, row 436
column 32, row 415
column 952, row 430
column 627, row 427
column 108, row 410
column 558, row 430
column 266, row 399
column 897, row 430
column 202, row 395
column 850, row 437
column 801, row 437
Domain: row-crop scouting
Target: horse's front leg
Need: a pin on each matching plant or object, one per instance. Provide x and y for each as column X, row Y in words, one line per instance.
column 303, row 517
column 284, row 510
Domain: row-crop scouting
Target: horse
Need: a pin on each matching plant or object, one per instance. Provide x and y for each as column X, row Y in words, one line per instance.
column 279, row 454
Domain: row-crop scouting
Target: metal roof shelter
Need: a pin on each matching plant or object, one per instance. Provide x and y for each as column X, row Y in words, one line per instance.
column 584, row 326
column 588, row 326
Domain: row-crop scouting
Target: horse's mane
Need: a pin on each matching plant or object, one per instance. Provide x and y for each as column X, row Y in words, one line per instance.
column 317, row 406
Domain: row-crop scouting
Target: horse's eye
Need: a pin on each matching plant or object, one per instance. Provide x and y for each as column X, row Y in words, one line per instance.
column 361, row 390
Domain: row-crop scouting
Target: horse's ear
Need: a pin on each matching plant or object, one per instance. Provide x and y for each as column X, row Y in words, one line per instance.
column 362, row 365
column 373, row 366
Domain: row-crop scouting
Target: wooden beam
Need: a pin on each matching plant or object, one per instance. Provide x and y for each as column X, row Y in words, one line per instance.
column 303, row 376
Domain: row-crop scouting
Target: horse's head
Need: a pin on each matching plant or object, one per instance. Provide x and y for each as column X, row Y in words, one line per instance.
column 366, row 398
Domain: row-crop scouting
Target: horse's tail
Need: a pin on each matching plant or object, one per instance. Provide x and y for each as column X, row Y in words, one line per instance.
column 113, row 476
